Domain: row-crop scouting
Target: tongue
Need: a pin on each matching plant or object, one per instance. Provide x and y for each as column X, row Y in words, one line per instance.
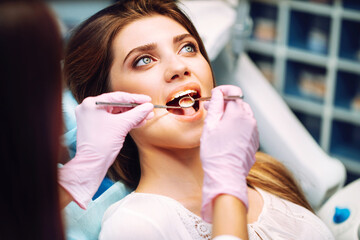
column 182, row 111
column 189, row 111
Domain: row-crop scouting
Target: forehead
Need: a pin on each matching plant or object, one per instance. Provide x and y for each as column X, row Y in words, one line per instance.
column 152, row 29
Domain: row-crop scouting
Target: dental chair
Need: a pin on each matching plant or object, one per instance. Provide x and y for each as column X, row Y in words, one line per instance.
column 281, row 134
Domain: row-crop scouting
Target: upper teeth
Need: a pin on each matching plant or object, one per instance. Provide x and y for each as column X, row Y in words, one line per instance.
column 183, row 93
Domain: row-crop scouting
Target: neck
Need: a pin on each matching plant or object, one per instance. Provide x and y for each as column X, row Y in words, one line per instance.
column 176, row 173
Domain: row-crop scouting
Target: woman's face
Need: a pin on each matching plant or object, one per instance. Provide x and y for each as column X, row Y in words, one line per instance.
column 158, row 57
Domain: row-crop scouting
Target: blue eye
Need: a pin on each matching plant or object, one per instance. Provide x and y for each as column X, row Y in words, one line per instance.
column 143, row 61
column 188, row 48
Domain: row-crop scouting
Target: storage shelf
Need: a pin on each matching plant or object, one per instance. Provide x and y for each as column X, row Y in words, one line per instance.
column 347, row 116
column 311, row 7
column 350, row 14
column 261, row 47
column 304, row 106
column 316, row 68
column 307, row 57
column 349, row 66
column 312, row 2
column 272, row 2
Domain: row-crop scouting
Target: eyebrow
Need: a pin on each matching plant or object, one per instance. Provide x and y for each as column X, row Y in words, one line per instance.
column 181, row 37
column 144, row 48
column 153, row 46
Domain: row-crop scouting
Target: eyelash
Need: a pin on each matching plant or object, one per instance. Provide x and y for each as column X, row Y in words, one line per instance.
column 137, row 60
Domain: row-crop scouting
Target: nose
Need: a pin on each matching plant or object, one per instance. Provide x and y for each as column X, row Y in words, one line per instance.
column 177, row 69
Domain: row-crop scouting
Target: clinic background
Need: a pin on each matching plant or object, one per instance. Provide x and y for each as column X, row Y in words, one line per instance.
column 309, row 50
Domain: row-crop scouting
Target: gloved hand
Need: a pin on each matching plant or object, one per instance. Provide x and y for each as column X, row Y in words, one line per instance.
column 101, row 131
column 227, row 148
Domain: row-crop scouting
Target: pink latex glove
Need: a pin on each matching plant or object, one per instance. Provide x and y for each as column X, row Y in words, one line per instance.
column 101, row 131
column 227, row 150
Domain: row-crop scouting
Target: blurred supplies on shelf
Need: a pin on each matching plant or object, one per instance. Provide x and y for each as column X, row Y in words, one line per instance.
column 264, row 19
column 312, row 84
column 265, row 29
column 267, row 69
column 265, row 64
column 308, row 32
column 355, row 105
column 317, row 37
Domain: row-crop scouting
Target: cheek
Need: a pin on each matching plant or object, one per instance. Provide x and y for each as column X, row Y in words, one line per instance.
column 133, row 83
column 207, row 80
column 163, row 131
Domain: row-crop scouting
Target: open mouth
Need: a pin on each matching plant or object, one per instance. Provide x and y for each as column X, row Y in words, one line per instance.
column 184, row 111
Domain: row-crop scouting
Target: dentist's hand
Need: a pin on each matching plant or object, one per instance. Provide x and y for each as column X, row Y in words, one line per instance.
column 228, row 145
column 101, row 132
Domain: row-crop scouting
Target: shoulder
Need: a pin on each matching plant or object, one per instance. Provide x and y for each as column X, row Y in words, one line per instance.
column 288, row 220
column 137, row 216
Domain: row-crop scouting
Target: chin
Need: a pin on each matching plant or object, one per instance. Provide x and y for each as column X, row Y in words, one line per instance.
column 188, row 139
column 167, row 131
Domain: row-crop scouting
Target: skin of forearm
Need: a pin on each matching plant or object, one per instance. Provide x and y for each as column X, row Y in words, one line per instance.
column 229, row 217
column 65, row 197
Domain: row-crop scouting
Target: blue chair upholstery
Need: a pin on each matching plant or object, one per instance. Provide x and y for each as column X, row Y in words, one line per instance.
column 86, row 224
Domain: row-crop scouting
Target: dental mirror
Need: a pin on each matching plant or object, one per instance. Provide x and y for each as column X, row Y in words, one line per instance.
column 186, row 102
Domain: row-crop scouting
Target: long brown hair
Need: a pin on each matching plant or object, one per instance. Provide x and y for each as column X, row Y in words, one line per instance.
column 30, row 54
column 87, row 64
column 272, row 176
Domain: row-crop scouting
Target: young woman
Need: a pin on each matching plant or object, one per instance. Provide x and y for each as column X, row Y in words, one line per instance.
column 173, row 161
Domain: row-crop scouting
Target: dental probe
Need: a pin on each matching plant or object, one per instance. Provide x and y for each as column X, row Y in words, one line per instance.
column 185, row 102
column 133, row 105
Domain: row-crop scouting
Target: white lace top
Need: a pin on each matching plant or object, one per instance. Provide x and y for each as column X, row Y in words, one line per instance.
column 142, row 216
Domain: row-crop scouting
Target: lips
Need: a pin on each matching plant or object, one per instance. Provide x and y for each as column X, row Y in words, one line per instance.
column 192, row 90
